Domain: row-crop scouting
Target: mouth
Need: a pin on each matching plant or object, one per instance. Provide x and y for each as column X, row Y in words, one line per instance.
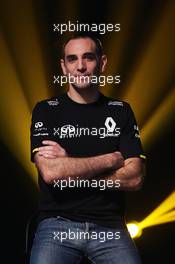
column 82, row 77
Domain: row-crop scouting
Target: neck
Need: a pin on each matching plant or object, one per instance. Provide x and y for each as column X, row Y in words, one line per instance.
column 83, row 96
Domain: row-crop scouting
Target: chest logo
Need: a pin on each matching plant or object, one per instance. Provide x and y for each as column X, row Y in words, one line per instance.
column 38, row 124
column 110, row 124
column 108, row 129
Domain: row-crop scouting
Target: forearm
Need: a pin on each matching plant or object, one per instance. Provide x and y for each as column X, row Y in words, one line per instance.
column 82, row 168
column 127, row 178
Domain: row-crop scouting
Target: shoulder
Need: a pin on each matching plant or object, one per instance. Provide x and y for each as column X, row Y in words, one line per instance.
column 120, row 108
column 116, row 103
column 48, row 103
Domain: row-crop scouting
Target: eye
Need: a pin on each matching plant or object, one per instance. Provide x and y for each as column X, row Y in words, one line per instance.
column 89, row 56
column 71, row 58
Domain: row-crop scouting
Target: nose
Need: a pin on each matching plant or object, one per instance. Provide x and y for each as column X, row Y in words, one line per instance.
column 81, row 67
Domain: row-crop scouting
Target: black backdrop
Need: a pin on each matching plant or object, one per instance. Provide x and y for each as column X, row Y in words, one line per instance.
column 19, row 194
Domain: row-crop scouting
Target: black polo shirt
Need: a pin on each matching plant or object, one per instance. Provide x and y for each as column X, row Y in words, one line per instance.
column 85, row 130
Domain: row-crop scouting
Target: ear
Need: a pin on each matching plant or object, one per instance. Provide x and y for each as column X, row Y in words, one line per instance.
column 103, row 62
column 63, row 66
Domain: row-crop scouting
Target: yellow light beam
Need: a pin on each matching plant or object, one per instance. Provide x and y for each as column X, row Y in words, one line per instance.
column 158, row 222
column 24, row 45
column 163, row 221
column 164, row 207
column 168, row 215
column 115, row 42
column 160, row 120
column 156, row 69
column 161, row 215
column 14, row 113
column 135, row 228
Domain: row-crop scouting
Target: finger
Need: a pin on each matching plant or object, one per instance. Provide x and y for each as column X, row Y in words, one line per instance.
column 45, row 148
column 49, row 156
column 47, row 152
column 51, row 150
column 46, row 155
column 50, row 142
column 62, row 151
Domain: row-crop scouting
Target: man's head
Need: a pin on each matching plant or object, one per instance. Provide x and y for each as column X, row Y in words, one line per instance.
column 83, row 57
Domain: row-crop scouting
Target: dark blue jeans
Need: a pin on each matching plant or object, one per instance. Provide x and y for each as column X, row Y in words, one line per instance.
column 61, row 241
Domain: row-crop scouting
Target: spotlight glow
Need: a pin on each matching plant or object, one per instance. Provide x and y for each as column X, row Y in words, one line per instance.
column 164, row 213
column 134, row 229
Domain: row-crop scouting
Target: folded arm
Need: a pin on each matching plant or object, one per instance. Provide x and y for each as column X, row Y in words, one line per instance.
column 111, row 166
column 82, row 168
column 130, row 176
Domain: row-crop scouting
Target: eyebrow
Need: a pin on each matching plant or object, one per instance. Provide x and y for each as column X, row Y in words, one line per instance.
column 89, row 53
column 73, row 56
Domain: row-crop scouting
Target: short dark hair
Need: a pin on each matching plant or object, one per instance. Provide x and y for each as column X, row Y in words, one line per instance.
column 99, row 46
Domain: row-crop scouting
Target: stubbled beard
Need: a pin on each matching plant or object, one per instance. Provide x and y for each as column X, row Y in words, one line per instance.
column 82, row 86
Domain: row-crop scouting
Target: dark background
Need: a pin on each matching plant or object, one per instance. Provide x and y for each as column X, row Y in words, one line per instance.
column 19, row 192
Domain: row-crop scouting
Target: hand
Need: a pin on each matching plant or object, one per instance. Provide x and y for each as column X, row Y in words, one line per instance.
column 52, row 150
column 118, row 160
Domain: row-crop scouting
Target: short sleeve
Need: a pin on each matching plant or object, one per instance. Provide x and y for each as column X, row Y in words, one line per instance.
column 39, row 129
column 130, row 143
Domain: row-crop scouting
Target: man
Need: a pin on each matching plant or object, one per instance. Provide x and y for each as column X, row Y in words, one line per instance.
column 87, row 150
